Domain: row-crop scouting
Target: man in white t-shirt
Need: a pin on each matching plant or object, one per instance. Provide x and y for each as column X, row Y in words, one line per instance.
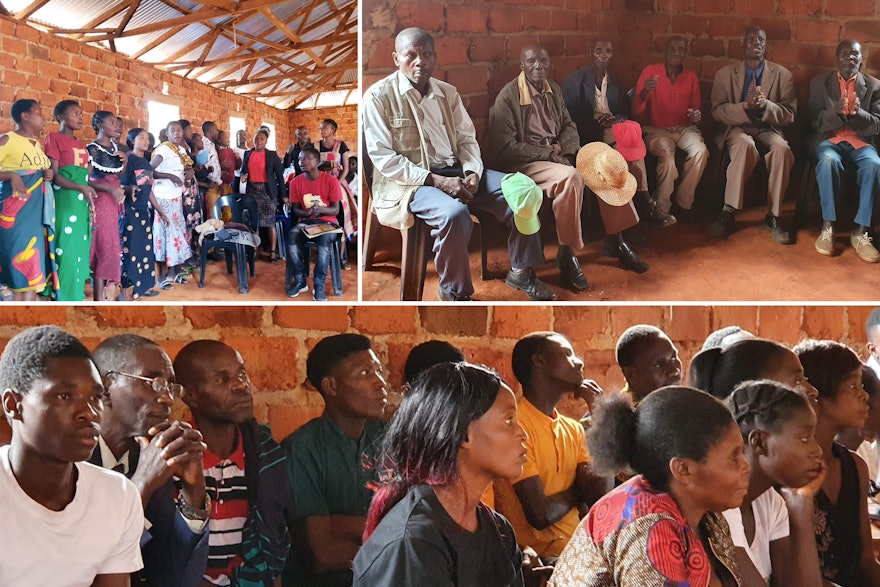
column 65, row 522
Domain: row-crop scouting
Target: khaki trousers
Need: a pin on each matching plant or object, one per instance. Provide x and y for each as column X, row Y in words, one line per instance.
column 662, row 143
column 564, row 187
column 744, row 158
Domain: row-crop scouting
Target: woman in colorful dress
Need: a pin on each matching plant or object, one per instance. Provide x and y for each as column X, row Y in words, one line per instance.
column 192, row 198
column 262, row 171
column 74, row 198
column 26, row 210
column 138, row 258
column 107, row 163
column 664, row 526
column 170, row 242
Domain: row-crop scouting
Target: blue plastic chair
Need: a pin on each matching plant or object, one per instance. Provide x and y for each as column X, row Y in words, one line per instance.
column 244, row 211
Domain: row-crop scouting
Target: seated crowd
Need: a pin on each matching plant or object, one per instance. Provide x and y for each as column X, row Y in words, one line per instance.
column 747, row 476
column 127, row 214
column 428, row 164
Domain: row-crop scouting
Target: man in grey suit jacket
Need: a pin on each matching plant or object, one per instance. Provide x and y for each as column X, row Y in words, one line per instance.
column 753, row 100
column 845, row 109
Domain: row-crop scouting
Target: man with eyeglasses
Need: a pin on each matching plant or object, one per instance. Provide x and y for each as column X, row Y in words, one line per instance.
column 245, row 469
column 330, row 486
column 139, row 440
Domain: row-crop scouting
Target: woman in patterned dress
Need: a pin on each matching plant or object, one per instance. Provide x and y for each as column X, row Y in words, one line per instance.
column 170, row 242
column 107, row 164
column 663, row 527
column 74, row 199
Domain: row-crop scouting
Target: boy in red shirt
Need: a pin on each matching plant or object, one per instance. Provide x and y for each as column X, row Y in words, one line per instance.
column 315, row 198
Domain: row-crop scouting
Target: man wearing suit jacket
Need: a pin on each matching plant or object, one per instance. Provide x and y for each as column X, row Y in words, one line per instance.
column 138, row 440
column 596, row 102
column 753, row 100
column 845, row 109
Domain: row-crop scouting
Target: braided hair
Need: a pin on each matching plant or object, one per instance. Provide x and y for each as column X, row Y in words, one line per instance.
column 764, row 405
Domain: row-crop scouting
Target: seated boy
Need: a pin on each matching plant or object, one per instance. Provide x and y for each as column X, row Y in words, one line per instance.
column 63, row 520
column 314, row 199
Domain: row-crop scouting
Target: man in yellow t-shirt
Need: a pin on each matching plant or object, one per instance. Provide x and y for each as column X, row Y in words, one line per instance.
column 556, row 487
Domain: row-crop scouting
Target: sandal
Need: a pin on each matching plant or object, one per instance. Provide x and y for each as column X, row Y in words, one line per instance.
column 273, row 258
column 149, row 294
column 166, row 285
column 181, row 279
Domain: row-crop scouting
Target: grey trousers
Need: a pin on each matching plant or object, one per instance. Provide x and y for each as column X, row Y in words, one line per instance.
column 451, row 227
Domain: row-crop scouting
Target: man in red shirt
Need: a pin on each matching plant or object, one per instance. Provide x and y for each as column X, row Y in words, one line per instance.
column 314, row 200
column 667, row 103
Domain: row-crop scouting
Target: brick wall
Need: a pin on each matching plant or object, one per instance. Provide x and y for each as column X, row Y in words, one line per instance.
column 346, row 118
column 50, row 68
column 274, row 341
column 478, row 43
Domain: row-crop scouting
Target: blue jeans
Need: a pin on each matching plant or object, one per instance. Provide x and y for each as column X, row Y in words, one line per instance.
column 829, row 167
column 297, row 259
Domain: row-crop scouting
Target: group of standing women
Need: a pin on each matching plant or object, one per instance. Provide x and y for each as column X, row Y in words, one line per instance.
column 736, row 481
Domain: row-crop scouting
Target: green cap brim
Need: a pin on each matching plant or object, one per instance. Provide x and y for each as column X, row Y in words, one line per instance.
column 527, row 225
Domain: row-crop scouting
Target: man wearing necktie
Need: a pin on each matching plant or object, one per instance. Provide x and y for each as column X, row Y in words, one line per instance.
column 752, row 101
column 845, row 110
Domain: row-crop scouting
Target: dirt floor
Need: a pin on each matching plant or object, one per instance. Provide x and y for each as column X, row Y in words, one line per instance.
column 686, row 265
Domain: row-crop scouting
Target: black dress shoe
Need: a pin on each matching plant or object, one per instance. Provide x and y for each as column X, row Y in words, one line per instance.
column 773, row 225
column 723, row 226
column 526, row 281
column 684, row 215
column 627, row 257
column 572, row 276
column 451, row 297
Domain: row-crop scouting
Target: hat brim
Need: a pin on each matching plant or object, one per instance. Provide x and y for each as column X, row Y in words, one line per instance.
column 619, row 196
column 525, row 225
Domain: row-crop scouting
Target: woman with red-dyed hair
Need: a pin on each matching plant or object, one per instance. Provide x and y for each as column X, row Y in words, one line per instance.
column 455, row 431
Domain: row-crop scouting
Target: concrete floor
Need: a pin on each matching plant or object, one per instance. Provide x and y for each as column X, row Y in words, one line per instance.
column 686, row 265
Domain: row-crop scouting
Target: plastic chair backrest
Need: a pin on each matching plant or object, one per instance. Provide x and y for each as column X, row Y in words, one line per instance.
column 243, row 208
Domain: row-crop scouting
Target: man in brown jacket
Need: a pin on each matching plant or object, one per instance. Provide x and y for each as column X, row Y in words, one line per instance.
column 532, row 132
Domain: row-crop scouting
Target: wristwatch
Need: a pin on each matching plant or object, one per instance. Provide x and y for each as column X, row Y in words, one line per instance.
column 192, row 513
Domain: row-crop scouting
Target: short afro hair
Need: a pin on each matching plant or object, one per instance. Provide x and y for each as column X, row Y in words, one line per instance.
column 330, row 352
column 525, row 348
column 629, row 345
column 827, row 363
column 427, row 354
column 114, row 353
column 27, row 355
column 19, row 107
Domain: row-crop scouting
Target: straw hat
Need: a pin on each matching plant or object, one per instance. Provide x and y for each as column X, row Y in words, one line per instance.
column 606, row 174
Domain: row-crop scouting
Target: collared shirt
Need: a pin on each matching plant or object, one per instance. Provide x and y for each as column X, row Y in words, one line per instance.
column 541, row 125
column 109, row 460
column 668, row 104
column 846, row 133
column 758, row 73
column 377, row 133
column 602, row 98
column 554, row 449
column 213, row 161
column 226, row 484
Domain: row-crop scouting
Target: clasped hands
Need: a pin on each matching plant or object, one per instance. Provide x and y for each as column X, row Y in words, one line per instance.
column 462, row 189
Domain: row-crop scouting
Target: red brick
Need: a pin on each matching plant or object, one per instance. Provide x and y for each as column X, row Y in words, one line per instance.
column 824, row 322
column 465, row 19
column 801, row 7
column 731, row 26
column 863, row 30
column 555, row 44
column 384, row 320
column 852, row 7
column 589, row 325
column 564, row 20
column 785, row 52
column 331, row 319
column 32, row 316
column 488, row 49
column 201, row 317
column 126, row 316
column 454, row 321
column 517, row 321
column 687, row 24
column 777, row 30
column 7, row 25
column 468, row 80
column 708, row 47
column 14, row 79
column 688, row 323
column 13, row 46
column 505, row 20
column 38, row 83
column 538, row 20
column 495, row 358
column 621, row 320
column 5, row 432
column 746, row 317
column 26, row 33
column 451, row 50
column 856, row 317
column 38, row 52
column 782, row 324
column 425, row 15
column 286, row 418
column 754, row 8
column 816, row 30
column 264, row 355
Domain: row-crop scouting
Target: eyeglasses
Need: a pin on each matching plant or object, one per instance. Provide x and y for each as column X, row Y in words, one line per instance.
column 158, row 384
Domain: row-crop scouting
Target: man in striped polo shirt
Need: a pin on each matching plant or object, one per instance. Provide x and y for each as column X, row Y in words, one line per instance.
column 245, row 469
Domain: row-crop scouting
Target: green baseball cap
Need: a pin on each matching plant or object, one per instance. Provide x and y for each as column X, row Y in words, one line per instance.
column 524, row 198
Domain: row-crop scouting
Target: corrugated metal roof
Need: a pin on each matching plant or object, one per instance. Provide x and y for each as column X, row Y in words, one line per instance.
column 228, row 31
